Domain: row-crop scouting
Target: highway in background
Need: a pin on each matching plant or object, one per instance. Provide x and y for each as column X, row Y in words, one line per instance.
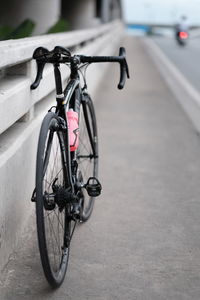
column 186, row 59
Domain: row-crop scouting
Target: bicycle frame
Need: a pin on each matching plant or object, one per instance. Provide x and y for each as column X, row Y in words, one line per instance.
column 71, row 97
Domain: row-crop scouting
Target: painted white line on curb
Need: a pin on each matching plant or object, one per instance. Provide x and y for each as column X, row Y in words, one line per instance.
column 195, row 33
column 185, row 93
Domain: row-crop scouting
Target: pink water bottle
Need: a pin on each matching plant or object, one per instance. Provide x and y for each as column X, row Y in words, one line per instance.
column 72, row 118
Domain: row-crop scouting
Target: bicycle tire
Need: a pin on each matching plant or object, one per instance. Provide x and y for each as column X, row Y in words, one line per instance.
column 53, row 224
column 87, row 162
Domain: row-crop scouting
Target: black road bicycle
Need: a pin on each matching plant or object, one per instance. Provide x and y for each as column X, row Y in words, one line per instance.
column 66, row 180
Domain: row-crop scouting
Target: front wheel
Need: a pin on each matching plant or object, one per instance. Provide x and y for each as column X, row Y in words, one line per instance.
column 53, row 217
column 87, row 153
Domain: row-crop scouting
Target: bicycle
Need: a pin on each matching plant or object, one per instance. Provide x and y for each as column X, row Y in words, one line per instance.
column 66, row 174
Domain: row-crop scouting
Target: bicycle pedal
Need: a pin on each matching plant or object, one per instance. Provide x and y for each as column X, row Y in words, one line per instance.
column 93, row 187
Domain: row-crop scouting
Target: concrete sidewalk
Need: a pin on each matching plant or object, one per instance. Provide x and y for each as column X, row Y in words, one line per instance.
column 142, row 241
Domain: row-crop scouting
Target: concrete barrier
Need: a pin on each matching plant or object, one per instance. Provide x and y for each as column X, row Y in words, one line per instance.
column 21, row 114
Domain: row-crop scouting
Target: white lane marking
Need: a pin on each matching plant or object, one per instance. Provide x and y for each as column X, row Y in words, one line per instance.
column 174, row 71
column 184, row 92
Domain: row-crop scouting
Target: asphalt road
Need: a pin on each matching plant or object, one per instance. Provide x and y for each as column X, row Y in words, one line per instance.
column 142, row 242
column 186, row 59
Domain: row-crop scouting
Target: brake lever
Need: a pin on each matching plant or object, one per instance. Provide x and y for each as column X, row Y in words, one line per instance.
column 124, row 70
column 127, row 69
column 40, row 51
column 62, row 50
column 37, row 55
column 40, row 68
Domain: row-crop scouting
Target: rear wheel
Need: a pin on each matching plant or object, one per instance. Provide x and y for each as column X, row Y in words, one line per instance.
column 87, row 153
column 53, row 216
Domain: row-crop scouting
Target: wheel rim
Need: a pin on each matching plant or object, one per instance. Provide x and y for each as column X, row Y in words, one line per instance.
column 56, row 226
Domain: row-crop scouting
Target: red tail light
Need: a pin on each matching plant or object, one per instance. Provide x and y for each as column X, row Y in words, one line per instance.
column 183, row 35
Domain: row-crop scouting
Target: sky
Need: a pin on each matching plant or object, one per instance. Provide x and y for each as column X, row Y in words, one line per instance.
column 161, row 11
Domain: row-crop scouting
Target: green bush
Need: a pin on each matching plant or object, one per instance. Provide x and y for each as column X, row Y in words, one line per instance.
column 25, row 29
column 5, row 31
column 60, row 26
